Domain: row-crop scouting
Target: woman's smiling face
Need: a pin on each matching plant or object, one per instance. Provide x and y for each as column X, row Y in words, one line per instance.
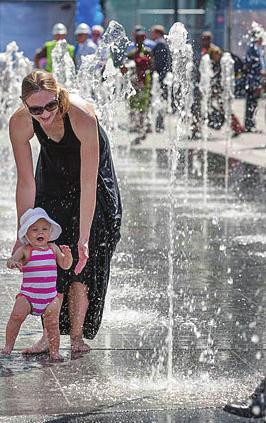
column 41, row 99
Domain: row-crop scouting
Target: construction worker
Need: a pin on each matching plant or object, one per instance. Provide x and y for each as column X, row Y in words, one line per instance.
column 84, row 45
column 97, row 33
column 59, row 32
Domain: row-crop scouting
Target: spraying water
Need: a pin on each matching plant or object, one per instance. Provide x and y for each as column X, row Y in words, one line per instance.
column 206, row 73
column 156, row 99
column 13, row 67
column 103, row 72
column 182, row 94
column 228, row 84
column 99, row 78
column 63, row 66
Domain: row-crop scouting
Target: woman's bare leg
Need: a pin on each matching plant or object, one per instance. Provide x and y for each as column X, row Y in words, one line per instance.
column 51, row 324
column 19, row 313
column 78, row 305
column 41, row 345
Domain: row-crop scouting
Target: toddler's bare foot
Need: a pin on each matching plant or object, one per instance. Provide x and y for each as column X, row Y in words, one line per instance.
column 6, row 351
column 39, row 347
column 78, row 345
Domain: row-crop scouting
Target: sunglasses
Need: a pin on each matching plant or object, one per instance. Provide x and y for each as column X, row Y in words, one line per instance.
column 38, row 110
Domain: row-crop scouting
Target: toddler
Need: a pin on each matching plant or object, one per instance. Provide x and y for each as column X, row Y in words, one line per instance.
column 37, row 258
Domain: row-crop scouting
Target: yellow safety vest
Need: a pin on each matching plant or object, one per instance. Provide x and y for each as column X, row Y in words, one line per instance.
column 49, row 45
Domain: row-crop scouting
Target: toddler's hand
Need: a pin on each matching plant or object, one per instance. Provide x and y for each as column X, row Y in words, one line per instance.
column 66, row 250
column 13, row 264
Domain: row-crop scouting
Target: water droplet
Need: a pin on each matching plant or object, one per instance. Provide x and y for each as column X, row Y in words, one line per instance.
column 255, row 339
column 256, row 410
column 252, row 324
column 258, row 355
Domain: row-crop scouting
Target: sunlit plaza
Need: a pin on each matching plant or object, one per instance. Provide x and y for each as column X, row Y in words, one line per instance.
column 183, row 328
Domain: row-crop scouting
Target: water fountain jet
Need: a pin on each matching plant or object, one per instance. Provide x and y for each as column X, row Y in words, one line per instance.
column 182, row 96
column 228, row 84
column 206, row 73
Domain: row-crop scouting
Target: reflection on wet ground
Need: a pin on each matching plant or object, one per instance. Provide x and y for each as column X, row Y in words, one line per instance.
column 219, row 302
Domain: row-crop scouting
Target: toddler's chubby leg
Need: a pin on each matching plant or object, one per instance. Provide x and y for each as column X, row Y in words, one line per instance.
column 51, row 324
column 41, row 345
column 21, row 310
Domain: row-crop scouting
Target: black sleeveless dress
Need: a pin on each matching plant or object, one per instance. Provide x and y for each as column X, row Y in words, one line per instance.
column 58, row 192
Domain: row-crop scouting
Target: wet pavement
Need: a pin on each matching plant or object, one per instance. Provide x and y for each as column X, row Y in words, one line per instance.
column 246, row 147
column 218, row 337
column 147, row 416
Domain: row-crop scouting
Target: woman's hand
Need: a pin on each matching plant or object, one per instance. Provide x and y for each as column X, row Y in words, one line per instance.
column 16, row 246
column 83, row 251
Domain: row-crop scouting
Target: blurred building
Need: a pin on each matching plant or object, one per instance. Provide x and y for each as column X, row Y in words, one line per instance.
column 30, row 22
column 165, row 12
column 244, row 12
column 228, row 20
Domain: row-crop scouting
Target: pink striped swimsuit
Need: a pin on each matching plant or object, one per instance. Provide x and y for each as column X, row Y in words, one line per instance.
column 39, row 280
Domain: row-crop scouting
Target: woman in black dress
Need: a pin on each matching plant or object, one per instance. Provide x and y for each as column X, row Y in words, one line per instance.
column 75, row 183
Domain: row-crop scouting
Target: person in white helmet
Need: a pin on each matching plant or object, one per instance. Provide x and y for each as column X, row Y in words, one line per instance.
column 59, row 32
column 84, row 44
column 97, row 33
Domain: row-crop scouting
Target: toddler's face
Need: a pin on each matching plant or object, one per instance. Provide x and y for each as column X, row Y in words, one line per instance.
column 38, row 234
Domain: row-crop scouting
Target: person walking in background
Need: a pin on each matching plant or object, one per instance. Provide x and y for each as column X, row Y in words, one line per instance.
column 216, row 115
column 147, row 42
column 84, row 44
column 206, row 43
column 37, row 259
column 206, row 47
column 162, row 63
column 97, row 33
column 140, row 57
column 59, row 32
column 255, row 68
column 160, row 52
column 75, row 183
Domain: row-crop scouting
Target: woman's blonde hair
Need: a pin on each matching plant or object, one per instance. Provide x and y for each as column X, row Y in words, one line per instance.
column 39, row 80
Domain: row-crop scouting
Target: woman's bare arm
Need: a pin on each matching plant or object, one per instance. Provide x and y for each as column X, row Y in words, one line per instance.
column 84, row 125
column 20, row 132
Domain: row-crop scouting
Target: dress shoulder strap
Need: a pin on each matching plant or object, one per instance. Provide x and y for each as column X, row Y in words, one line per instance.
column 37, row 128
column 69, row 135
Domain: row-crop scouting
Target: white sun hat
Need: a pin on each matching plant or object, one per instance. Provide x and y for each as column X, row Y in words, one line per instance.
column 31, row 216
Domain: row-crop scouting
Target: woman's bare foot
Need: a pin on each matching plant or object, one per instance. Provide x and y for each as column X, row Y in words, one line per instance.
column 56, row 357
column 6, row 351
column 79, row 346
column 39, row 347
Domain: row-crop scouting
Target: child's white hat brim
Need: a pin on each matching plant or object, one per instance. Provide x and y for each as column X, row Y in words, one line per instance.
column 30, row 217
